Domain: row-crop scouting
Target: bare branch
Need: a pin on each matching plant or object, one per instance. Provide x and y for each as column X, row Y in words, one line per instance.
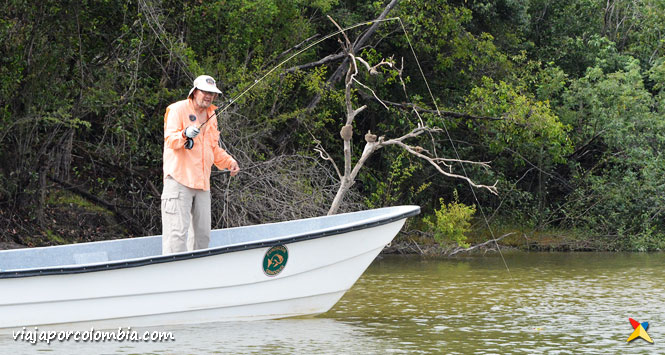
column 337, row 75
column 324, row 60
column 361, row 42
column 410, row 149
column 460, row 250
column 372, row 91
column 373, row 69
column 325, row 156
column 349, row 47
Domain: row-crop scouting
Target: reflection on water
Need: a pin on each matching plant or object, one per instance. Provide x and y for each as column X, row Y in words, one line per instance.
column 560, row 303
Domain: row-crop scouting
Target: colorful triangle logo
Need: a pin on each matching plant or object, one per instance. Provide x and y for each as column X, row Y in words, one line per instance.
column 640, row 331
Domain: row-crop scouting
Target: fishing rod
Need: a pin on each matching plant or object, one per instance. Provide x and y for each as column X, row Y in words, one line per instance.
column 190, row 142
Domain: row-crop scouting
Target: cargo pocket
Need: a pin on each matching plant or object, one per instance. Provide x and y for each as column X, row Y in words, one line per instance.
column 170, row 202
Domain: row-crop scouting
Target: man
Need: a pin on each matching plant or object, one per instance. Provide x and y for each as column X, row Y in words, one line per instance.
column 190, row 150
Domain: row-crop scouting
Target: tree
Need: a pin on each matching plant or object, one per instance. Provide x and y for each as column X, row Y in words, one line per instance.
column 619, row 173
column 372, row 143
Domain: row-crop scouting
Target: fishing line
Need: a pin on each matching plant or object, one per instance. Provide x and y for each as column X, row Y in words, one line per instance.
column 406, row 35
column 452, row 143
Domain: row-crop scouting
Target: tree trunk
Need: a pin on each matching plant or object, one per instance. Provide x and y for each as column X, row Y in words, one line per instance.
column 339, row 197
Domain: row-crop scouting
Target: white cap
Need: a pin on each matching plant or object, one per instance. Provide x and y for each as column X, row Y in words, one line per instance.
column 205, row 83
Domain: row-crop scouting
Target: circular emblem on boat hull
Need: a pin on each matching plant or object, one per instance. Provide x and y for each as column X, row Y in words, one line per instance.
column 275, row 260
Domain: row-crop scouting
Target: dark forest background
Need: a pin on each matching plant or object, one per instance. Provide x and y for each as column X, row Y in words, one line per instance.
column 563, row 98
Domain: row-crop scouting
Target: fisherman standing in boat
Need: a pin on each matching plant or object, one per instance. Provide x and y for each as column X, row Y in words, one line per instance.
column 191, row 147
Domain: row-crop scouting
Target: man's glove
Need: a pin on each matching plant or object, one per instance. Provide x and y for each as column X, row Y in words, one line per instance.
column 192, row 131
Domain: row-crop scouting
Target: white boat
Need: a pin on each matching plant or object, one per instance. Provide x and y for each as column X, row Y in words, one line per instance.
column 267, row 271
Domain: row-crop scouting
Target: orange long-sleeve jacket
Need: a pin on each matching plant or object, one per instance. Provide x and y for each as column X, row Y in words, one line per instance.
column 191, row 167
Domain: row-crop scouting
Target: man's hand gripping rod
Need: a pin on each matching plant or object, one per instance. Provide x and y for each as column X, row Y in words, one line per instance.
column 189, row 143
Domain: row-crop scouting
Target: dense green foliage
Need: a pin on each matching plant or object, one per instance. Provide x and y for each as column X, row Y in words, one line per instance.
column 565, row 99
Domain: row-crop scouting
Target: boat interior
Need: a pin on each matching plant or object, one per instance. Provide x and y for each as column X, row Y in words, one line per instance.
column 146, row 247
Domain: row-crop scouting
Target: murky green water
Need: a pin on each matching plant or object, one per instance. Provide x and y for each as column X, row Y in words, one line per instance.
column 559, row 303
column 554, row 303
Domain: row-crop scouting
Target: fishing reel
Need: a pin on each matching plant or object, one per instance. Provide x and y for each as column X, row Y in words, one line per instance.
column 189, row 143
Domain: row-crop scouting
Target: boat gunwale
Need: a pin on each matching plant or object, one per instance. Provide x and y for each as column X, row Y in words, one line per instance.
column 158, row 259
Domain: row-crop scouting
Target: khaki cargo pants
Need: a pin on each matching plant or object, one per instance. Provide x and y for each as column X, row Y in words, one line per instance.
column 185, row 212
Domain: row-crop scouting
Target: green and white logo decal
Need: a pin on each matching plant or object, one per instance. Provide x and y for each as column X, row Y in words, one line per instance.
column 275, row 260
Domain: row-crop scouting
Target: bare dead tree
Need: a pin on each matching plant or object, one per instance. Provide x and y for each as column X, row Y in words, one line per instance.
column 372, row 143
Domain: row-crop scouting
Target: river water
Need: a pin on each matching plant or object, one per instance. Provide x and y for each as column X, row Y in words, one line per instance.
column 557, row 303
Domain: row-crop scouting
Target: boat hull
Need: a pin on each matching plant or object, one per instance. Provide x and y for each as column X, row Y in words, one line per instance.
column 227, row 286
